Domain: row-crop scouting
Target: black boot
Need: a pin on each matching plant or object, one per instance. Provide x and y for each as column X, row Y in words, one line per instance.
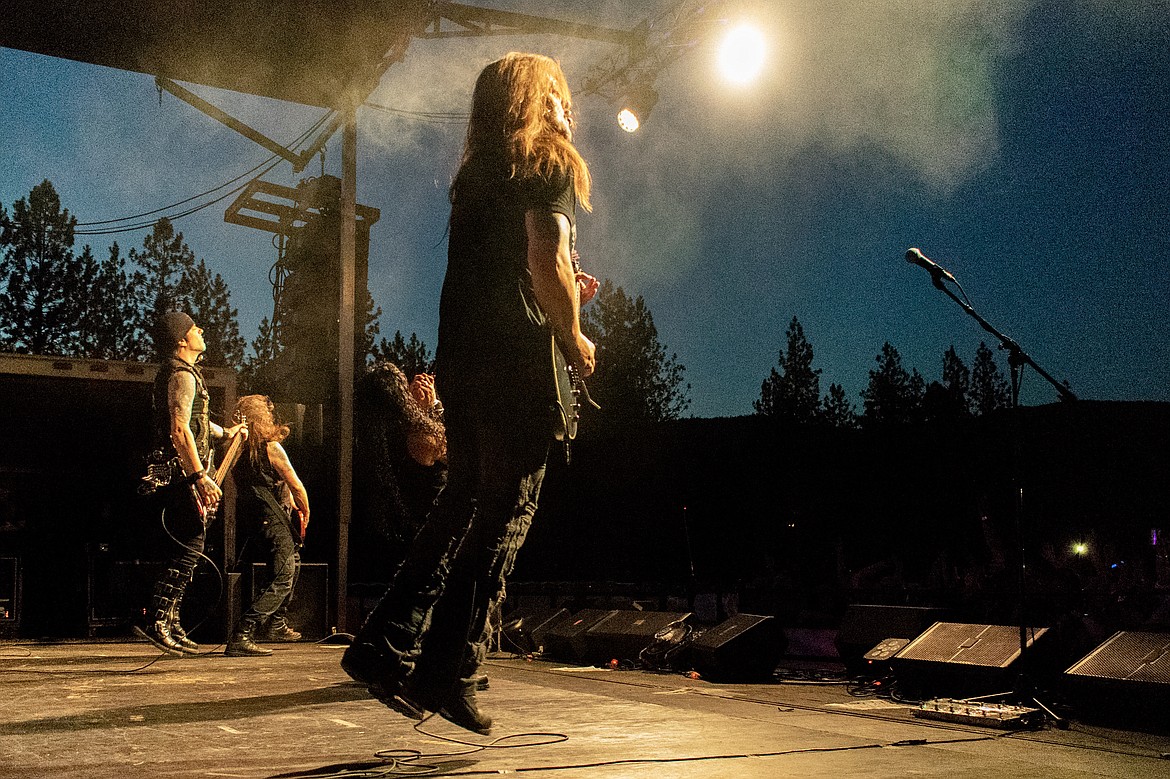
column 383, row 679
column 279, row 631
column 157, row 628
column 242, row 643
column 461, row 709
column 186, row 645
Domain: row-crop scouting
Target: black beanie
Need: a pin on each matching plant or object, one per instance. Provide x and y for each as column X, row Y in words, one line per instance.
column 173, row 327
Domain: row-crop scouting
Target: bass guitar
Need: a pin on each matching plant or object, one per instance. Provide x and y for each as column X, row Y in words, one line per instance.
column 570, row 387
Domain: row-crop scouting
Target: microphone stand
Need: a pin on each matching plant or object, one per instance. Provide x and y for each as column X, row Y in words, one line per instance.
column 1017, row 359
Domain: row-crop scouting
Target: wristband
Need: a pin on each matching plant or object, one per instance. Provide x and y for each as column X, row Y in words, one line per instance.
column 196, row 476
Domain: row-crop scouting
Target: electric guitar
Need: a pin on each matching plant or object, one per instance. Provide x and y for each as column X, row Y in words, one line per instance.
column 570, row 387
column 221, row 471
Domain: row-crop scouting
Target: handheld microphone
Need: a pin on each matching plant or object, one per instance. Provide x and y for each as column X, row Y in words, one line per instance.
column 915, row 257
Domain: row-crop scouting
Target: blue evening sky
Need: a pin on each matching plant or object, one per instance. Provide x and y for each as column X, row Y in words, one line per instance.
column 1022, row 145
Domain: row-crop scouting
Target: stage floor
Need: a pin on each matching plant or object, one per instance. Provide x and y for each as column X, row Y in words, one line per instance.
column 110, row 710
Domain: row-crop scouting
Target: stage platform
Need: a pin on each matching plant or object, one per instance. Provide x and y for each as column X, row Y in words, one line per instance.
column 114, row 709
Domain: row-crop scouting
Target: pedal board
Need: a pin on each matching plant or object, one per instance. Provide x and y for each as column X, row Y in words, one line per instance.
column 980, row 713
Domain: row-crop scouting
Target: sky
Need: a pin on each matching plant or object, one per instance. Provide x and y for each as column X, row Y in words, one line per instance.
column 1022, row 145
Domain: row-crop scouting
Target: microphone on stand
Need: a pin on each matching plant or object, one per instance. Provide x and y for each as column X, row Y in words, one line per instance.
column 915, row 257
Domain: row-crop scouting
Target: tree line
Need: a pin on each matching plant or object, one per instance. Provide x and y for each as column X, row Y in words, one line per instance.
column 61, row 301
column 894, row 396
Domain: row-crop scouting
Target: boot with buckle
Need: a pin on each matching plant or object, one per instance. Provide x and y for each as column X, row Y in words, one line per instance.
column 186, row 645
column 157, row 628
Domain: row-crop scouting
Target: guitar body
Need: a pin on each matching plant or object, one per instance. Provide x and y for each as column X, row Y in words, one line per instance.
column 567, row 406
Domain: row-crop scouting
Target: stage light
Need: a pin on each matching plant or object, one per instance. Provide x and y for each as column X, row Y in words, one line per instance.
column 636, row 108
column 1080, row 549
column 741, row 54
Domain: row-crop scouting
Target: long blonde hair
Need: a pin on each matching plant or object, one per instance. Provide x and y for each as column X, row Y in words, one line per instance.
column 510, row 120
column 262, row 425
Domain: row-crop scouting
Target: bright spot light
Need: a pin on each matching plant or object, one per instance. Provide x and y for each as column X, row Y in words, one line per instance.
column 1080, row 549
column 628, row 121
column 741, row 55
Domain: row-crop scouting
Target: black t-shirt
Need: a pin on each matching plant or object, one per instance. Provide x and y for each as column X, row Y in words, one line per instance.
column 490, row 326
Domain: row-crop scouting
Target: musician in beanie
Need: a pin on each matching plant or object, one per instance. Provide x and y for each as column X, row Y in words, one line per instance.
column 183, row 432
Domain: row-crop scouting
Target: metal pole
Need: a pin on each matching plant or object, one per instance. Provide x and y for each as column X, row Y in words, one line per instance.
column 345, row 361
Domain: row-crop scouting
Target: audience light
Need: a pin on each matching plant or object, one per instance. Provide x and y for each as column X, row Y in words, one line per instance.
column 1080, row 548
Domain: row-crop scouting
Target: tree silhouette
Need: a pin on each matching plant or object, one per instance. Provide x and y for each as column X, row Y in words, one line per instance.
column 207, row 299
column 949, row 399
column 45, row 295
column 412, row 357
column 837, row 411
column 893, row 395
column 989, row 388
column 793, row 393
column 635, row 380
column 115, row 328
column 163, row 260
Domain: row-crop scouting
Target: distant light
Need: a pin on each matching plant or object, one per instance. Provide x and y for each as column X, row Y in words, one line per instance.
column 1080, row 549
column 741, row 55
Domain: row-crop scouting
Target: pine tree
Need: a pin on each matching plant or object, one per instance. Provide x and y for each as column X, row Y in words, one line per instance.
column 44, row 293
column 163, row 260
column 989, row 388
column 893, row 395
column 837, row 411
column 208, row 300
column 948, row 399
column 411, row 357
column 792, row 394
column 114, row 328
column 635, row 380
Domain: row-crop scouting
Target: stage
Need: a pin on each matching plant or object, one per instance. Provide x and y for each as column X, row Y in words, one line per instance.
column 115, row 709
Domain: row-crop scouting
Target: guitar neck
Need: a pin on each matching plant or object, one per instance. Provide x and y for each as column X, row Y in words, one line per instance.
column 229, row 459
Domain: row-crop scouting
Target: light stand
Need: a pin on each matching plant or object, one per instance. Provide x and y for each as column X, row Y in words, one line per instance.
column 1017, row 359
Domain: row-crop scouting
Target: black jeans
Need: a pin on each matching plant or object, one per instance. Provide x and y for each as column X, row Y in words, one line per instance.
column 461, row 558
column 183, row 524
column 274, row 544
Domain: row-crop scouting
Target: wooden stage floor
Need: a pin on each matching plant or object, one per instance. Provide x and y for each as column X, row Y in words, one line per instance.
column 109, row 710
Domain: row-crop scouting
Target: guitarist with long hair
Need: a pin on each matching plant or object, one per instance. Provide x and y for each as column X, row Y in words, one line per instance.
column 510, row 287
column 273, row 507
column 183, row 434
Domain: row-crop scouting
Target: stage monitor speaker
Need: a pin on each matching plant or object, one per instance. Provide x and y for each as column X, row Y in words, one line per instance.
column 956, row 659
column 9, row 597
column 1127, row 677
column 864, row 626
column 308, row 612
column 561, row 640
column 525, row 629
column 744, row 648
column 622, row 635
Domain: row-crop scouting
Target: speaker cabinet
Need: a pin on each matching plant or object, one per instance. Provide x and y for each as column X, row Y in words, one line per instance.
column 562, row 642
column 1127, row 678
column 622, row 635
column 525, row 629
column 865, row 626
column 308, row 612
column 745, row 648
column 957, row 659
column 9, row 597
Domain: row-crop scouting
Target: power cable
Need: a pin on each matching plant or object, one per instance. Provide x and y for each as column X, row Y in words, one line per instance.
column 271, row 162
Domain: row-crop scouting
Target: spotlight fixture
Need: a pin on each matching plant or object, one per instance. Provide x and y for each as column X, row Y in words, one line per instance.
column 636, row 108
